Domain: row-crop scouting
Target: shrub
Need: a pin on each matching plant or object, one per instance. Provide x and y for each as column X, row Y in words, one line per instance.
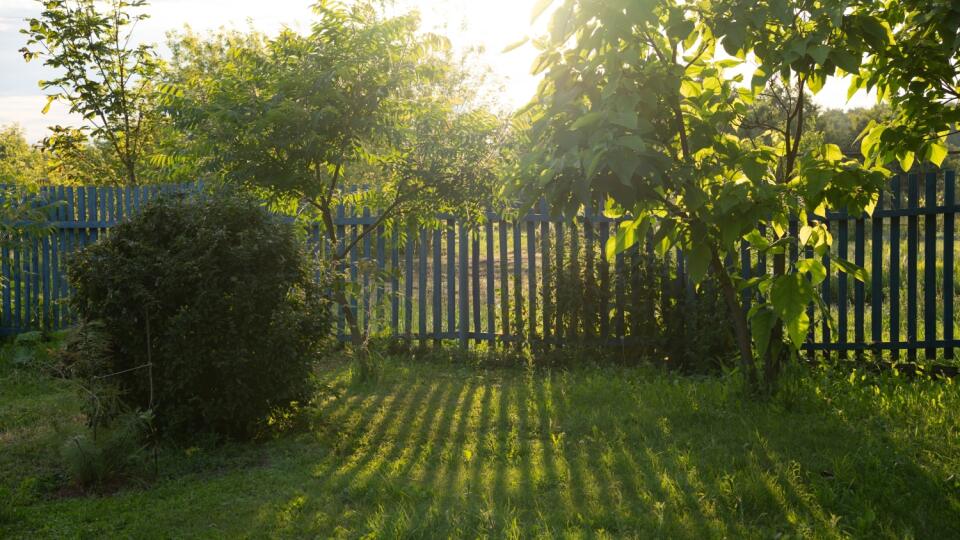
column 211, row 311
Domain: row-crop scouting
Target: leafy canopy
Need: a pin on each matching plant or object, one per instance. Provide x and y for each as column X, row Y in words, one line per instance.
column 641, row 109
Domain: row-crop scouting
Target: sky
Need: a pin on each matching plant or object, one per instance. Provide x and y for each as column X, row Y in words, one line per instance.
column 490, row 24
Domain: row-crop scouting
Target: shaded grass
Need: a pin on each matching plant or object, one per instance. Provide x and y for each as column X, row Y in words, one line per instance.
column 435, row 448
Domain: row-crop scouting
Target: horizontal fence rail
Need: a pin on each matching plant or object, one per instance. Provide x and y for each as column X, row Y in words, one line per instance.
column 545, row 280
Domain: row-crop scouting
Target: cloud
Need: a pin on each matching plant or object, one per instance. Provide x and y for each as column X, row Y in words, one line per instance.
column 25, row 111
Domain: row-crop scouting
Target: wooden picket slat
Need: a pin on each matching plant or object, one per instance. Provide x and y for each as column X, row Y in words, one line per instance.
column 517, row 284
column 842, row 253
column 531, row 280
column 464, row 312
column 895, row 198
column 949, row 200
column 930, row 267
column 504, row 280
column 876, row 275
column 858, row 286
column 491, row 318
column 475, row 282
column 912, row 249
column 437, row 287
column 422, row 286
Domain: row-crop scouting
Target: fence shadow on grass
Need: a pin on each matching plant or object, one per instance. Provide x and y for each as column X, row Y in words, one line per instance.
column 470, row 453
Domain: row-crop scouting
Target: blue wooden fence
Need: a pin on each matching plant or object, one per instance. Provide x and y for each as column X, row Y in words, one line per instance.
column 505, row 281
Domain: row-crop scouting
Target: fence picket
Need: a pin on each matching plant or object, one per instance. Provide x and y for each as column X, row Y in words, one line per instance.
column 949, row 200
column 895, row 198
column 858, row 286
column 504, row 281
column 876, row 274
column 491, row 319
column 464, row 299
column 912, row 249
column 842, row 329
column 930, row 268
column 437, row 287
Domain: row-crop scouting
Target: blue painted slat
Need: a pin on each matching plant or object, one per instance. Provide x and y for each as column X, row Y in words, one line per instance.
column 532, row 280
column 517, row 283
column 619, row 283
column 589, row 309
column 437, row 286
column 19, row 284
column 395, row 284
column 35, row 306
column 71, row 243
column 858, row 286
column 876, row 275
column 342, row 265
column 354, row 257
column 604, row 272
column 422, row 287
column 895, row 198
column 127, row 201
column 949, row 199
column 572, row 329
column 842, row 251
column 558, row 329
column 475, row 282
column 43, row 311
column 9, row 285
column 912, row 249
column 491, row 306
column 451, row 276
column 381, row 266
column 504, row 280
column 408, row 282
column 463, row 268
column 365, row 292
column 745, row 271
column 827, row 298
column 930, row 267
column 546, row 286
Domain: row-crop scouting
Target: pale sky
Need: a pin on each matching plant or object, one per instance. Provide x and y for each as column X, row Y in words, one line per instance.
column 492, row 24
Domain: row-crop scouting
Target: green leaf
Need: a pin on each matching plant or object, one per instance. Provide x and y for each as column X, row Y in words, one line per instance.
column 628, row 234
column 815, row 268
column 832, row 152
column 587, row 120
column 698, row 261
column 938, row 152
column 797, row 328
column 848, row 267
column 50, row 100
column 515, row 45
column 762, row 320
column 538, row 9
column 906, row 160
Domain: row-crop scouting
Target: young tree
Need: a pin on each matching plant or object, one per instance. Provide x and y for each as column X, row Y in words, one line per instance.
column 364, row 110
column 640, row 109
column 103, row 76
column 20, row 163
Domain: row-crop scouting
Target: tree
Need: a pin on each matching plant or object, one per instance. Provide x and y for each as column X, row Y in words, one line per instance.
column 639, row 109
column 102, row 75
column 20, row 163
column 365, row 109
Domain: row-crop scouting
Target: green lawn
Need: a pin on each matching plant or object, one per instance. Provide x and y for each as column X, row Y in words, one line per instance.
column 438, row 448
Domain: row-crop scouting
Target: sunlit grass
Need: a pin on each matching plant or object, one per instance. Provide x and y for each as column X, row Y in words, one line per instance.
column 435, row 448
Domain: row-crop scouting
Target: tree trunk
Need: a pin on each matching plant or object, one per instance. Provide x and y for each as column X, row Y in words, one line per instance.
column 740, row 327
column 774, row 357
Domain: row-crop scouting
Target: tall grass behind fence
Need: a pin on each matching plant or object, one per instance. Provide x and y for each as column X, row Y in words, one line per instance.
column 543, row 279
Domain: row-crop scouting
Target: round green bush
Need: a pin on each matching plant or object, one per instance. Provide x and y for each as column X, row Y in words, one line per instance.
column 219, row 297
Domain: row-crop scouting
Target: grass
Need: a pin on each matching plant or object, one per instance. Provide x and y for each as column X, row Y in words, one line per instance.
column 439, row 447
